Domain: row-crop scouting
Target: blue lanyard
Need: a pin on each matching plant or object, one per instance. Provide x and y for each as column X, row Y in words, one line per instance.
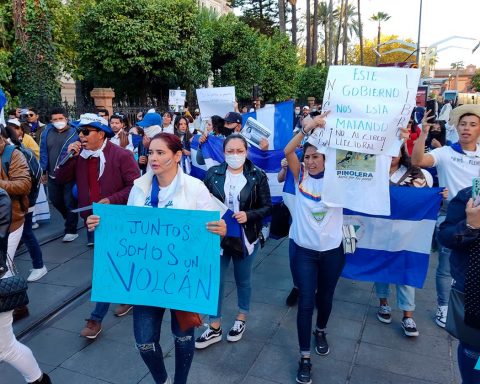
column 154, row 193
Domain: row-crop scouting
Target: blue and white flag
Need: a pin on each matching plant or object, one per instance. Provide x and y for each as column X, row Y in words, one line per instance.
column 279, row 119
column 3, row 101
column 396, row 248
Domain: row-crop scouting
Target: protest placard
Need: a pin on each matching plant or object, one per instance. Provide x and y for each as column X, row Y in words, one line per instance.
column 215, row 101
column 254, row 132
column 176, row 99
column 368, row 106
column 157, row 257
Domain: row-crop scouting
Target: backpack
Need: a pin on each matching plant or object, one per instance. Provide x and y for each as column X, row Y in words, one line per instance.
column 34, row 167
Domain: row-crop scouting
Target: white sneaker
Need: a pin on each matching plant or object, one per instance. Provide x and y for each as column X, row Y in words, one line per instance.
column 69, row 237
column 441, row 315
column 37, row 274
column 35, row 225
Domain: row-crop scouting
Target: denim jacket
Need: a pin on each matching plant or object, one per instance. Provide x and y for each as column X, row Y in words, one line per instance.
column 44, row 159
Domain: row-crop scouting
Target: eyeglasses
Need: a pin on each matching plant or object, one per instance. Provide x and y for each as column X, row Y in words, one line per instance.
column 86, row 131
column 30, row 114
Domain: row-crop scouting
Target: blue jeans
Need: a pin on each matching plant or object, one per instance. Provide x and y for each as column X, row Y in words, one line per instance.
column 100, row 311
column 443, row 279
column 242, row 269
column 28, row 237
column 315, row 271
column 147, row 325
column 62, row 199
column 291, row 256
column 467, row 359
column 405, row 295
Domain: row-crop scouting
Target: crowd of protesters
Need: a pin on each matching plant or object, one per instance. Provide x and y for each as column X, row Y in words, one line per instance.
column 102, row 158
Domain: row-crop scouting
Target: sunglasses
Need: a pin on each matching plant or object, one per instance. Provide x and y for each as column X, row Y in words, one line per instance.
column 30, row 114
column 86, row 131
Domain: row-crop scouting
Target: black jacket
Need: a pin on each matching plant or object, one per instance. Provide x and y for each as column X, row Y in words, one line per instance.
column 5, row 220
column 255, row 197
column 455, row 235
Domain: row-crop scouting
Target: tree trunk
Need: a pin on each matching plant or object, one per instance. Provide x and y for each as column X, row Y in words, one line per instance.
column 294, row 21
column 326, row 40
column 309, row 36
column 339, row 31
column 345, row 34
column 330, row 32
column 360, row 32
column 377, row 58
column 19, row 13
column 281, row 15
column 315, row 32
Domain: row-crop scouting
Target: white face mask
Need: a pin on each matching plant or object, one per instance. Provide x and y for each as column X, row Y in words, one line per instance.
column 60, row 124
column 235, row 161
column 297, row 111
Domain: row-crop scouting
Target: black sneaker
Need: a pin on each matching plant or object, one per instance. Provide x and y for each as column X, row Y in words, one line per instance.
column 209, row 337
column 321, row 345
column 304, row 375
column 409, row 327
column 236, row 332
column 292, row 297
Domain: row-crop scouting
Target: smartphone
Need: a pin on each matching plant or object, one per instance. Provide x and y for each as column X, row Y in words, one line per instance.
column 431, row 108
column 476, row 191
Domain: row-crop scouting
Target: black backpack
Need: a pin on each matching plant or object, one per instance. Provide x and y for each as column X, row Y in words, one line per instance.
column 33, row 166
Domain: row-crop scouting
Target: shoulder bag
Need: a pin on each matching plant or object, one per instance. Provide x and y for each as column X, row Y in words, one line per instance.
column 13, row 290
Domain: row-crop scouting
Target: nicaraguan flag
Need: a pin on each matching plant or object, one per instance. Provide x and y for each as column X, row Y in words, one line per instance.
column 3, row 101
column 396, row 248
column 279, row 119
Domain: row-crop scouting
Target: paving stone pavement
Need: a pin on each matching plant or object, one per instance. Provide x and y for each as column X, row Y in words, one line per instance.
column 363, row 350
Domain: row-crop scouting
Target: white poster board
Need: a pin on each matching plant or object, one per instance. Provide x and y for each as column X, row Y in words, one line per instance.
column 215, row 101
column 368, row 106
column 176, row 99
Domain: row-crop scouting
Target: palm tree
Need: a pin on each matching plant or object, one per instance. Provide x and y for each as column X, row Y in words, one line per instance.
column 360, row 32
column 379, row 17
column 345, row 34
column 330, row 31
column 315, row 32
column 457, row 66
column 293, row 3
column 339, row 31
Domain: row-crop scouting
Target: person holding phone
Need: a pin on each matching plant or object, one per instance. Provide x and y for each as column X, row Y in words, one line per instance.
column 456, row 166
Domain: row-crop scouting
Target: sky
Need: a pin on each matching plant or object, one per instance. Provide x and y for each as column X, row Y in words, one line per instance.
column 441, row 19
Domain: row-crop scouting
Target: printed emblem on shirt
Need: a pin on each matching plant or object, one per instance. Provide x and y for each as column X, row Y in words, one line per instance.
column 354, row 165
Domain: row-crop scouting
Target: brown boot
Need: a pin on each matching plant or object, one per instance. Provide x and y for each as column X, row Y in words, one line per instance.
column 123, row 309
column 92, row 329
column 20, row 313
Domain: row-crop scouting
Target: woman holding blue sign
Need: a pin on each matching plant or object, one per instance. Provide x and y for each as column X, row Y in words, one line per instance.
column 316, row 243
column 244, row 189
column 166, row 186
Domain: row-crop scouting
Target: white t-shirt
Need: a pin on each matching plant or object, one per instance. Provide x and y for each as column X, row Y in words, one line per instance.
column 398, row 174
column 314, row 225
column 168, row 129
column 234, row 183
column 456, row 170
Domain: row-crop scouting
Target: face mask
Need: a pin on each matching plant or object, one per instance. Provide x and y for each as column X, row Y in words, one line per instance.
column 297, row 111
column 235, row 161
column 60, row 124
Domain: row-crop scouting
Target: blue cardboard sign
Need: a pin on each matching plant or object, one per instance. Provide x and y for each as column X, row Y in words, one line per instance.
column 157, row 257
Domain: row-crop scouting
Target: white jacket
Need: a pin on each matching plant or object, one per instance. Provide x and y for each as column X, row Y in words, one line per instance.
column 189, row 193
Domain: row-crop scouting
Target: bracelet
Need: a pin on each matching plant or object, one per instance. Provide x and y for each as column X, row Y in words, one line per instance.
column 472, row 227
column 303, row 131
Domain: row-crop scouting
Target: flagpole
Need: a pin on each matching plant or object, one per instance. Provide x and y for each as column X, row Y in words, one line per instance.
column 419, row 30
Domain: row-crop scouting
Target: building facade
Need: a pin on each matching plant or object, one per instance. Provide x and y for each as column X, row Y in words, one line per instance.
column 454, row 81
column 218, row 6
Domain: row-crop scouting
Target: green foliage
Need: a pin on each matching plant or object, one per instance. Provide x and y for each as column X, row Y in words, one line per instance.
column 36, row 67
column 144, row 46
column 476, row 80
column 311, row 82
column 279, row 66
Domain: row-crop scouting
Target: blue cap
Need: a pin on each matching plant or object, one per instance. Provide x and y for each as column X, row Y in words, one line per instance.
column 152, row 118
column 95, row 121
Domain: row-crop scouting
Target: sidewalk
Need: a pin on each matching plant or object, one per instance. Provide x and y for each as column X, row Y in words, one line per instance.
column 363, row 350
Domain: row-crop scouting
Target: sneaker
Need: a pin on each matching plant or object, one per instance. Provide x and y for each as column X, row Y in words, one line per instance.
column 236, row 332
column 92, row 329
column 321, row 345
column 292, row 297
column 441, row 315
column 69, row 237
column 37, row 274
column 90, row 244
column 209, row 337
column 35, row 225
column 409, row 327
column 168, row 381
column 123, row 309
column 384, row 314
column 304, row 375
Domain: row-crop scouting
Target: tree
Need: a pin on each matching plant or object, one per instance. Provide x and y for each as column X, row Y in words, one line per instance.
column 360, row 32
column 308, row 17
column 261, row 15
column 140, row 51
column 476, row 80
column 311, row 82
column 315, row 33
column 282, row 16
column 293, row 3
column 457, row 66
column 36, row 68
column 369, row 55
column 279, row 68
column 379, row 17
